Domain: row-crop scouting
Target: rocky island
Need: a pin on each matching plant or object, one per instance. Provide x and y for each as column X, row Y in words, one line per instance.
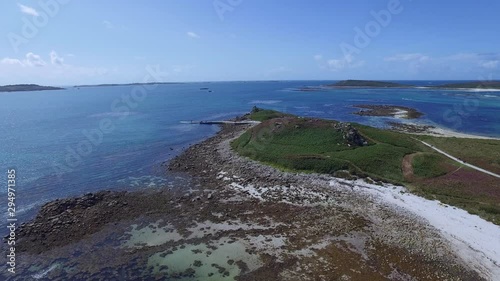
column 396, row 111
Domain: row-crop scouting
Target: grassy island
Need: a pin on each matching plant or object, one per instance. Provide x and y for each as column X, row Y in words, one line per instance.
column 353, row 150
column 27, row 87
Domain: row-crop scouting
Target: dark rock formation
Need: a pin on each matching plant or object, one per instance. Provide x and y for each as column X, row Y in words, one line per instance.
column 351, row 134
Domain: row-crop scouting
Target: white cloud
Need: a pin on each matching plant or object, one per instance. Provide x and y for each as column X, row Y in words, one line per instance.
column 193, row 35
column 338, row 64
column 27, row 70
column 55, row 59
column 28, row 10
column 108, row 24
column 462, row 56
column 34, row 60
column 30, row 59
column 490, row 64
column 484, row 60
column 408, row 57
column 11, row 61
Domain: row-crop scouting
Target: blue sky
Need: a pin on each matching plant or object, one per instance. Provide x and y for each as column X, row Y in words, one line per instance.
column 66, row 42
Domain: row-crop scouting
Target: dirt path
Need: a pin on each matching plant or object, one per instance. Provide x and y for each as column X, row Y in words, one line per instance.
column 407, row 166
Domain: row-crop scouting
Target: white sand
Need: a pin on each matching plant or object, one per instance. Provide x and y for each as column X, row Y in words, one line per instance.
column 475, row 240
column 447, row 133
column 477, row 90
column 401, row 114
column 441, row 132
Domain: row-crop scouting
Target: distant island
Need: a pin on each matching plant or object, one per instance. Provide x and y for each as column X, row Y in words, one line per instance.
column 368, row 83
column 127, row 84
column 385, row 84
column 388, row 111
column 472, row 85
column 26, row 88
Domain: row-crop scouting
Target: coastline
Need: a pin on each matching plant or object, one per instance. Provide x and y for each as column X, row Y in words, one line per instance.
column 442, row 132
column 303, row 216
column 430, row 130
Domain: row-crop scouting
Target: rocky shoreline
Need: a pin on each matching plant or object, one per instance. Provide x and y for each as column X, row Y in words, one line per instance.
column 285, row 225
column 410, row 128
column 388, row 111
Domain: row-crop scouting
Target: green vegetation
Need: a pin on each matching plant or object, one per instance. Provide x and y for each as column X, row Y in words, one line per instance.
column 483, row 153
column 259, row 114
column 367, row 83
column 313, row 145
column 26, row 87
column 429, row 165
column 318, row 146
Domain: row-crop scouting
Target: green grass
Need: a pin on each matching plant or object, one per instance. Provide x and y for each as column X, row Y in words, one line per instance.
column 483, row 153
column 310, row 145
column 258, row 114
column 303, row 149
column 429, row 165
column 381, row 160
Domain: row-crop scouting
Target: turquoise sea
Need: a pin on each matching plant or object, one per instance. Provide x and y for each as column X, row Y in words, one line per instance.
column 69, row 142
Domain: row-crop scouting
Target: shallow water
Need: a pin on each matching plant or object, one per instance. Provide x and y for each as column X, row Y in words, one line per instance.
column 205, row 262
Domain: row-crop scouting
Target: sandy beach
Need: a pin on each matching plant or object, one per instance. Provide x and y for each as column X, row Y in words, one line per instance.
column 420, row 129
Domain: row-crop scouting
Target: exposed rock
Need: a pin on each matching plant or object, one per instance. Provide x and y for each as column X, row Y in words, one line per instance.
column 351, row 134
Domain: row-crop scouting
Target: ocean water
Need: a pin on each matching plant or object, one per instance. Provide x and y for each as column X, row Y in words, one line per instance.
column 79, row 140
